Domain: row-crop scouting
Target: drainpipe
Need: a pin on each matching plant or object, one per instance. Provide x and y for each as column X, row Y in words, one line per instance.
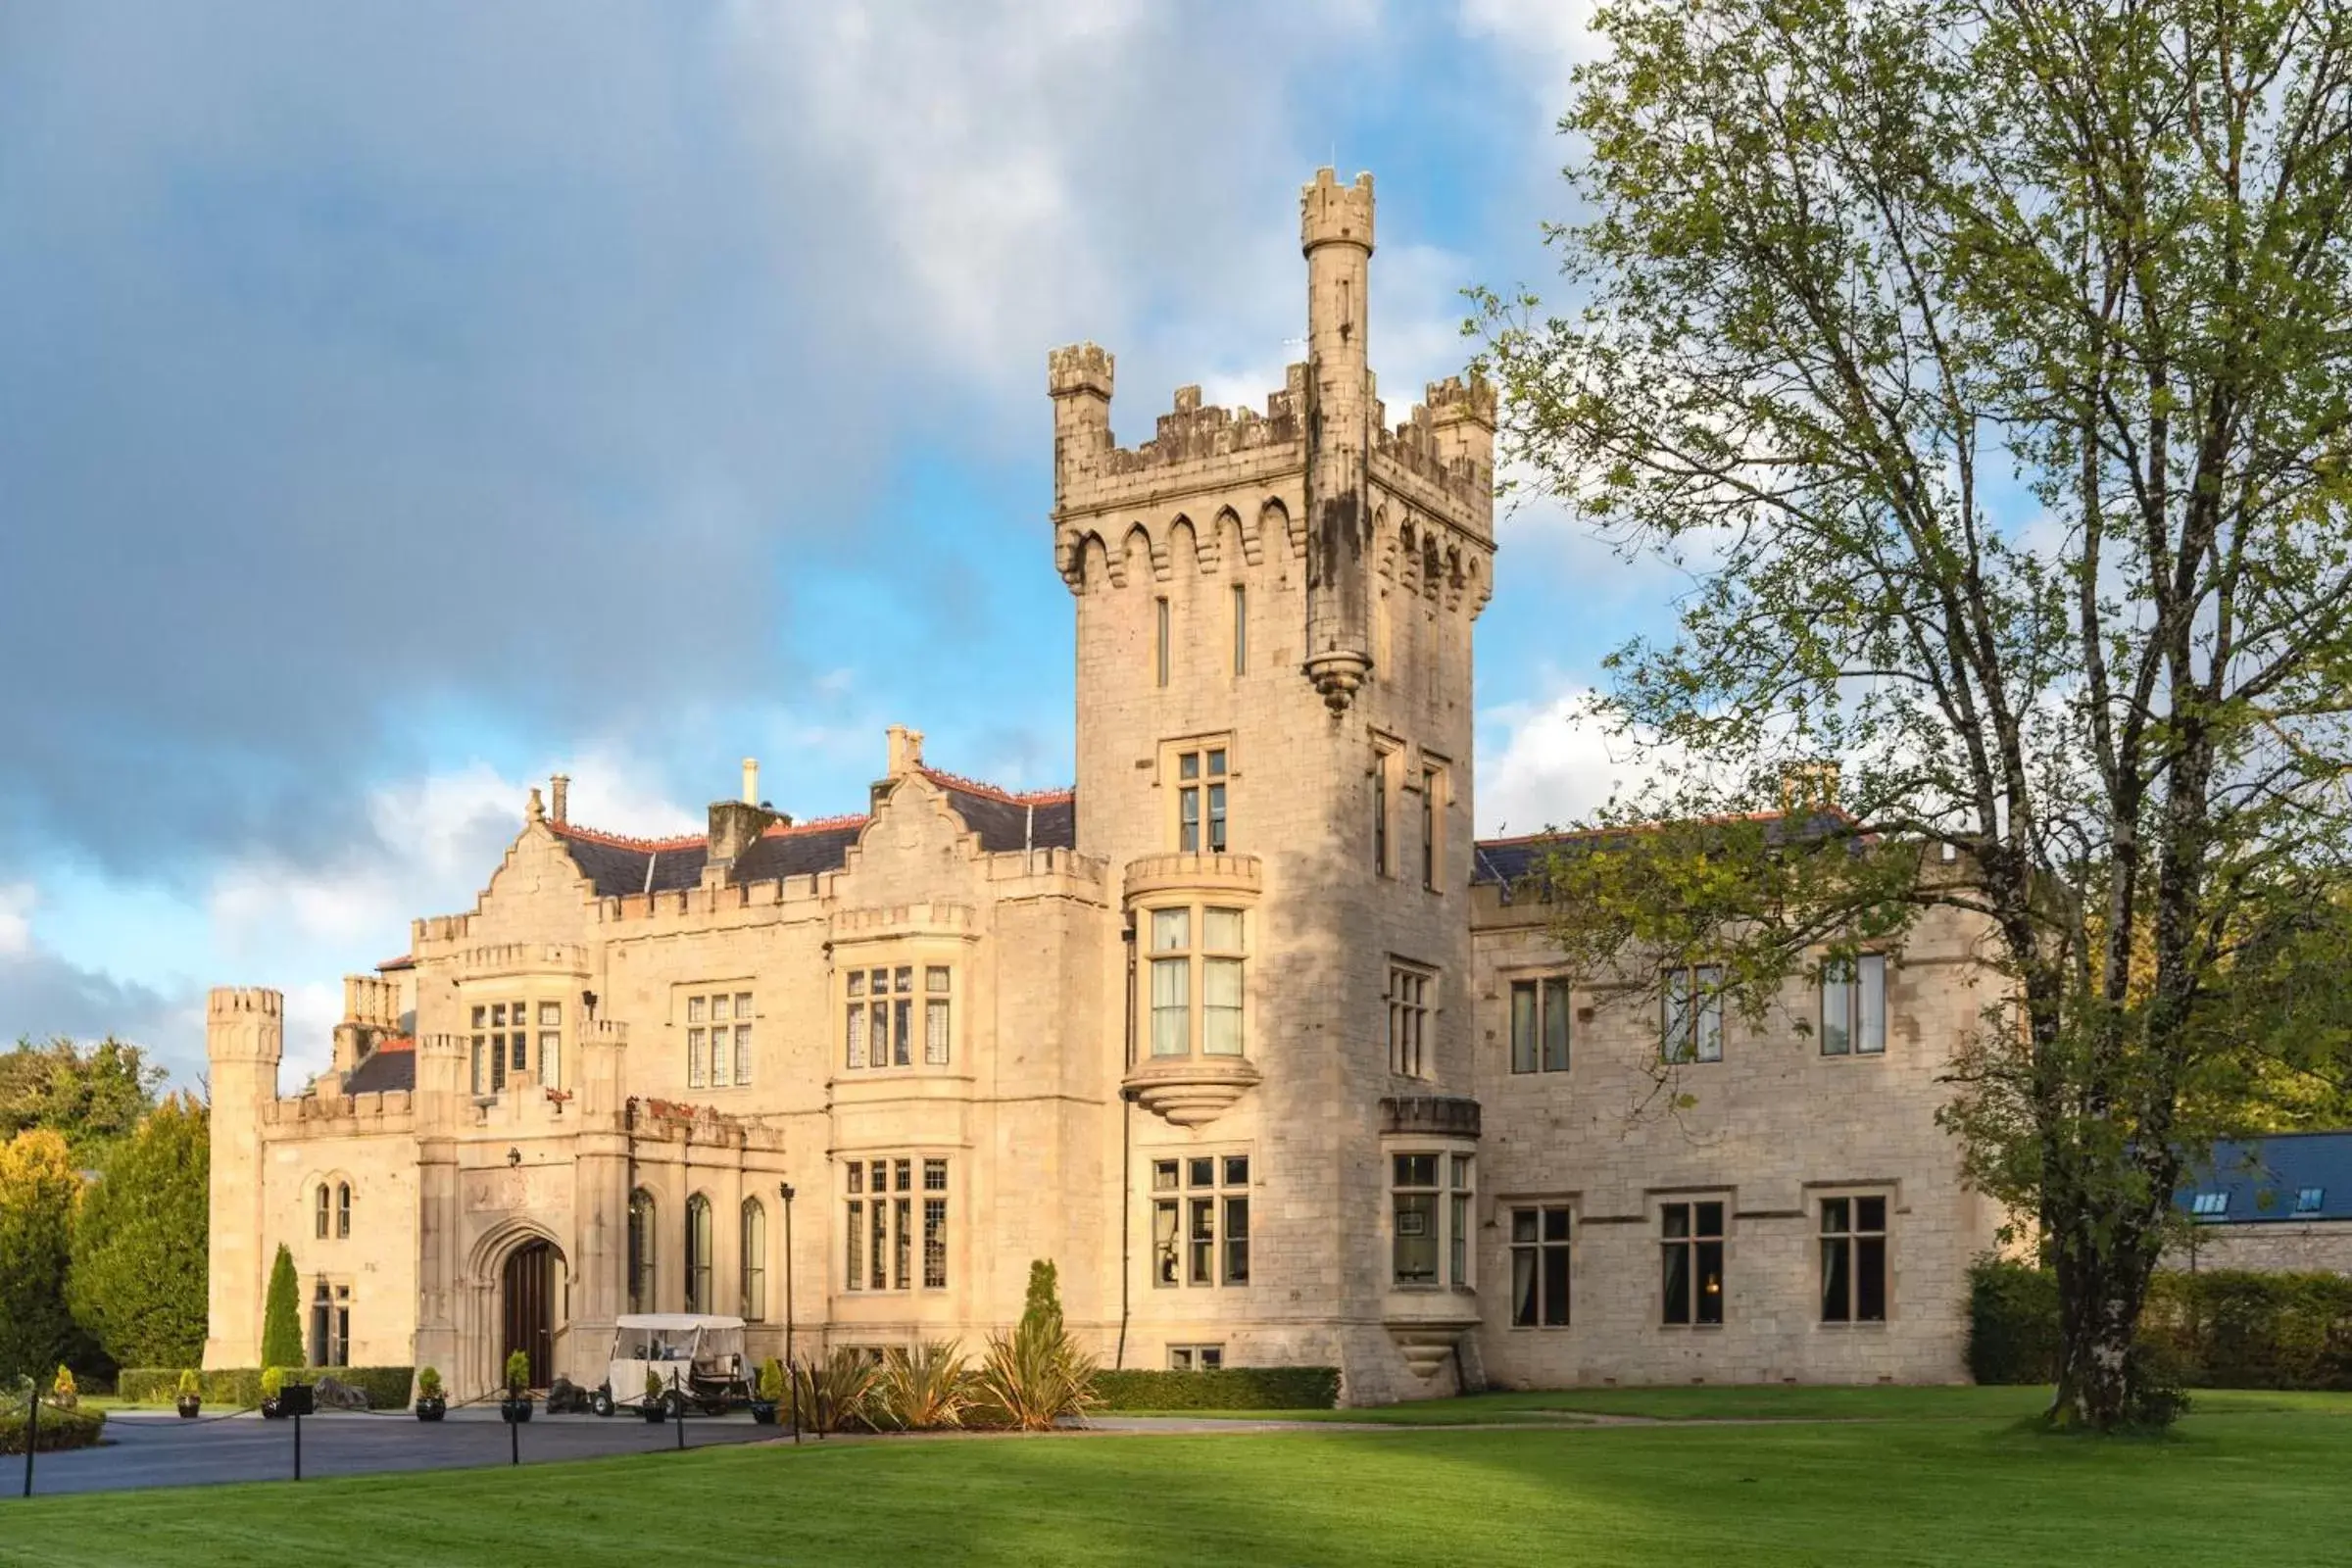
column 1126, row 1158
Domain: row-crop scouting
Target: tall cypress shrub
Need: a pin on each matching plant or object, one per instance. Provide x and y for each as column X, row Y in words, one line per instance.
column 37, row 1192
column 281, row 1315
column 137, row 1284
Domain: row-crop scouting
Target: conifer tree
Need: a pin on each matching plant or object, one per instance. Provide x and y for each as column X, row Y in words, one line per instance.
column 137, row 1284
column 37, row 1192
column 281, row 1316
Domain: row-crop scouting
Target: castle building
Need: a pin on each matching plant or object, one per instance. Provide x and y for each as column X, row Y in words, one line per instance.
column 1246, row 1032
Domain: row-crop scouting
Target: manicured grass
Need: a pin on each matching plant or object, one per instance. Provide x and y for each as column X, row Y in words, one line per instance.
column 1758, row 1403
column 2263, row 1485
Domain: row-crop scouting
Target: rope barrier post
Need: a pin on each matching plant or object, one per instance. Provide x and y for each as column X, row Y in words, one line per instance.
column 513, row 1438
column 298, row 1444
column 793, row 1373
column 32, row 1434
column 677, row 1410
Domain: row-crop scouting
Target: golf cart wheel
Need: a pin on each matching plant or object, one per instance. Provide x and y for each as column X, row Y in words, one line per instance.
column 601, row 1402
column 674, row 1403
column 713, row 1406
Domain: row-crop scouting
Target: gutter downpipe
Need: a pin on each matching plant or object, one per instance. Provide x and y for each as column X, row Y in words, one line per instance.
column 1126, row 1156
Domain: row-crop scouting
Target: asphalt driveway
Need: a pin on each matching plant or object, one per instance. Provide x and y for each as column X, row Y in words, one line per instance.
column 160, row 1450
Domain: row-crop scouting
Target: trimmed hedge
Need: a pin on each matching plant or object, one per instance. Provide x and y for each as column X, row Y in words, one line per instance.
column 2219, row 1328
column 59, row 1428
column 237, row 1388
column 1239, row 1388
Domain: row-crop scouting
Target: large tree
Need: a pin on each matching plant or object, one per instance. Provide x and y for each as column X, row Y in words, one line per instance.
column 1985, row 363
column 137, row 1278
column 38, row 1189
column 93, row 1095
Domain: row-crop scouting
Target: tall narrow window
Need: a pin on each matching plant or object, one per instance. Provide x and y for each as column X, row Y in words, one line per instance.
column 1221, row 982
column 1432, row 783
column 1414, row 1195
column 1691, row 1237
column 853, row 1259
column 753, row 1306
column 1171, row 983
column 855, row 1027
column 698, row 1254
column 1382, row 776
column 1164, row 1222
column 1853, row 1260
column 1540, row 1011
column 878, row 1231
column 1540, row 1266
column 1201, row 778
column 1854, row 1005
column 641, row 1250
column 743, row 1037
column 935, row 1224
column 1241, row 630
column 902, row 1017
column 319, row 1220
column 342, row 1210
column 1691, row 1027
column 937, row 980
column 1409, row 1021
column 1160, row 642
column 1457, row 1220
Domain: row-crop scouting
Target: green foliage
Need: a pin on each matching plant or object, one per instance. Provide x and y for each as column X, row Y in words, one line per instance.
column 1255, row 1387
column 1037, row 1376
column 923, row 1390
column 518, row 1371
column 281, row 1314
column 1991, row 365
column 192, row 1386
column 654, row 1388
column 273, row 1381
column 387, row 1387
column 59, row 1428
column 63, row 1392
column 771, row 1380
column 836, row 1395
column 38, row 1192
column 429, row 1384
column 2212, row 1329
column 136, row 1280
column 92, row 1098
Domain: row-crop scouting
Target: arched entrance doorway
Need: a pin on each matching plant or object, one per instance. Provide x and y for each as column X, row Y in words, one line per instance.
column 526, row 1300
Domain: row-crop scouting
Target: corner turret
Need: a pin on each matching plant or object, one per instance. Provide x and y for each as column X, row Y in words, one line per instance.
column 1335, row 231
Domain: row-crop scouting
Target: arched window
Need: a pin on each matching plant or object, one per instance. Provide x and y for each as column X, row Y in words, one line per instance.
column 319, row 1220
column 641, row 1250
column 342, row 1210
column 698, row 1254
column 754, row 1308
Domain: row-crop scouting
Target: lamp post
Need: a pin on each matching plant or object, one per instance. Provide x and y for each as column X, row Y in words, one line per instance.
column 784, row 1191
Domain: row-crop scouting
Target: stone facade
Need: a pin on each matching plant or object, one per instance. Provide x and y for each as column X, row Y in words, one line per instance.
column 1184, row 1029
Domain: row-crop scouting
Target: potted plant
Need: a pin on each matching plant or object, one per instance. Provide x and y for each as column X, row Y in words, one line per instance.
column 431, row 1402
column 517, row 1406
column 771, row 1391
column 273, row 1383
column 656, row 1406
column 191, row 1395
column 63, row 1395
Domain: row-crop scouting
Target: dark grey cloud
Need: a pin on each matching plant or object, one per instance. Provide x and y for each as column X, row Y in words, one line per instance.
column 42, row 995
column 367, row 372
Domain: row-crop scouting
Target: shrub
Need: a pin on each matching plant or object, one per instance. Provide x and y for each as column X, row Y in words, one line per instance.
column 924, row 1389
column 2012, row 1323
column 771, row 1380
column 38, row 1191
column 429, row 1384
column 1253, row 1387
column 836, row 1395
column 1040, row 1375
column 190, row 1385
column 281, row 1314
column 273, row 1381
column 241, row 1387
column 518, row 1372
column 58, row 1429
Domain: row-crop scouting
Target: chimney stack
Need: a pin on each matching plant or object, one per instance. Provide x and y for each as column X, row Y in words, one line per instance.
column 560, row 798
column 751, row 781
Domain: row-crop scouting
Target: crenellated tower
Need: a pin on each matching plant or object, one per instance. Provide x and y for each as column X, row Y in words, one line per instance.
column 244, row 1040
column 1274, row 700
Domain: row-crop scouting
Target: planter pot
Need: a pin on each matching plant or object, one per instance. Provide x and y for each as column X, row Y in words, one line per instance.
column 431, row 1407
column 511, row 1409
column 188, row 1404
column 763, row 1412
column 656, row 1410
column 273, row 1410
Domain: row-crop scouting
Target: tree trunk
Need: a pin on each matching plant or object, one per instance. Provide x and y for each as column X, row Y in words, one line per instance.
column 2102, row 1284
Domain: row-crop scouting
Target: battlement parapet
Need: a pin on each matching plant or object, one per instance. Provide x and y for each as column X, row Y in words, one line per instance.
column 389, row 1110
column 1333, row 213
column 370, row 1001
column 684, row 906
column 1080, row 367
column 522, row 958
column 244, row 1002
column 441, row 929
column 853, row 925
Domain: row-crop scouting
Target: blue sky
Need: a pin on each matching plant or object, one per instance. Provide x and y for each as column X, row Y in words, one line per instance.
column 400, row 403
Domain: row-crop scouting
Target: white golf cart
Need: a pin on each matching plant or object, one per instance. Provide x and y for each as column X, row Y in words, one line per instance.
column 698, row 1357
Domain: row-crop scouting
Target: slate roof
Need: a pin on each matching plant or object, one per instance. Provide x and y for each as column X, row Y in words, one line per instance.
column 391, row 1065
column 2263, row 1180
column 618, row 868
column 1508, row 862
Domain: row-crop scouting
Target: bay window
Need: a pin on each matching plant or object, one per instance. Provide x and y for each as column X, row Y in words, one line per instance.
column 1195, row 958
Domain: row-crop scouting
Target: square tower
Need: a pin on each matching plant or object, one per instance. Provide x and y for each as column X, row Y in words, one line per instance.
column 1274, row 728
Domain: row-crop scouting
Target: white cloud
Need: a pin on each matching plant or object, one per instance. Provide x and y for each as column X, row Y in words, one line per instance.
column 1551, row 763
column 15, row 918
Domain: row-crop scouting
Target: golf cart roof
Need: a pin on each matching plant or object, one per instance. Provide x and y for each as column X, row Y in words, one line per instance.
column 675, row 1322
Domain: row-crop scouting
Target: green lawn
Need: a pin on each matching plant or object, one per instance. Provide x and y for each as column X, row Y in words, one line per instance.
column 2250, row 1479
column 1758, row 1401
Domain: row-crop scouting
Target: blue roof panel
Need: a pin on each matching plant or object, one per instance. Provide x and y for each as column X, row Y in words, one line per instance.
column 2287, row 1176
